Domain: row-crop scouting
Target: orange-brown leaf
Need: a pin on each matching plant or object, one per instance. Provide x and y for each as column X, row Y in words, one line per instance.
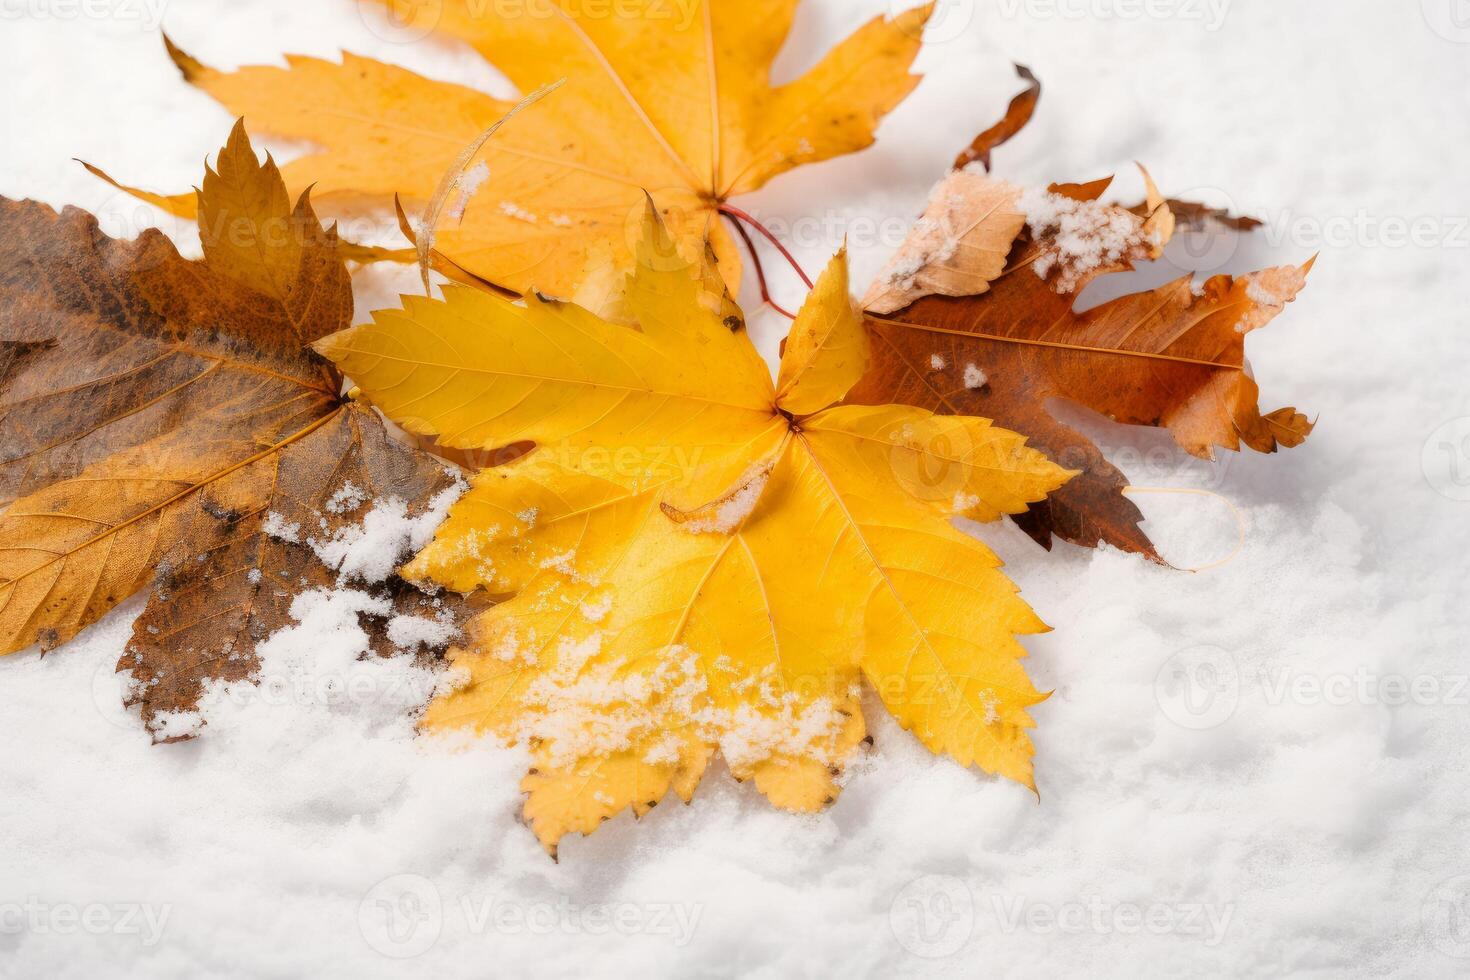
column 1172, row 356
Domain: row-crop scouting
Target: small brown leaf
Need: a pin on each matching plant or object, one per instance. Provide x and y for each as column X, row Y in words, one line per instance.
column 1018, row 114
column 1173, row 356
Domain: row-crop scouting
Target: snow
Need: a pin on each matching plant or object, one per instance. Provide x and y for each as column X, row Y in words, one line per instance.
column 1258, row 769
column 513, row 210
column 465, row 186
column 372, row 550
column 1086, row 235
column 975, row 378
column 732, row 510
column 278, row 527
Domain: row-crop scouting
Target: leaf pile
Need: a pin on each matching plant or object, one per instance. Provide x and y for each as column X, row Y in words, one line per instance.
column 664, row 553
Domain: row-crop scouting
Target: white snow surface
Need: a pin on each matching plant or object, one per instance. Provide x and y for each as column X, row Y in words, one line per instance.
column 1258, row 769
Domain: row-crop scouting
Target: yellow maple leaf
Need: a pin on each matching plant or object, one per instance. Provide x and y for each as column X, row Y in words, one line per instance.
column 697, row 558
column 675, row 97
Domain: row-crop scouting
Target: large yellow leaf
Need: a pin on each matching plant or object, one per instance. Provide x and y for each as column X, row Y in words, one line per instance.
column 693, row 562
column 672, row 97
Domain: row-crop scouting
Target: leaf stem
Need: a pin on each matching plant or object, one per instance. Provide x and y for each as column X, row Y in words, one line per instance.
column 739, row 215
column 760, row 272
column 740, row 219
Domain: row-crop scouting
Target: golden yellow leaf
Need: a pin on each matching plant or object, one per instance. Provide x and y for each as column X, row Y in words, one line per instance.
column 697, row 564
column 828, row 349
column 674, row 98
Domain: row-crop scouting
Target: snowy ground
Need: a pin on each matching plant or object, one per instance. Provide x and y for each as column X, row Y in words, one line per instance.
column 1256, row 769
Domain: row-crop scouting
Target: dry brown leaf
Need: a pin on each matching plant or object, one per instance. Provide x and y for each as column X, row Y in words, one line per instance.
column 1171, row 357
column 154, row 409
column 1018, row 114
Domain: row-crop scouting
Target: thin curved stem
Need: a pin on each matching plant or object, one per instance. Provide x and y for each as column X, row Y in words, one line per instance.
column 760, row 272
column 739, row 215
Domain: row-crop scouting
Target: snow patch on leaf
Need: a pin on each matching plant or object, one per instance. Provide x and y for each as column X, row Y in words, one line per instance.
column 1080, row 236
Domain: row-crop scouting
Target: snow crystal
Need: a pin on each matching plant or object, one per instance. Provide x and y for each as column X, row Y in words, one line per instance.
column 512, row 645
column 964, row 502
column 975, row 378
column 596, row 610
column 348, row 497
column 412, row 632
column 1258, row 293
column 323, row 663
column 167, row 725
column 733, row 510
column 278, row 527
column 372, row 550
column 253, row 576
column 749, row 736
column 665, row 751
column 937, row 362
column 514, row 210
column 465, row 186
column 1083, row 235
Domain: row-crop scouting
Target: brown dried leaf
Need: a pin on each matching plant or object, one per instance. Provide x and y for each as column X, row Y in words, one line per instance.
column 212, row 607
column 1018, row 114
column 1172, row 356
column 152, row 409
